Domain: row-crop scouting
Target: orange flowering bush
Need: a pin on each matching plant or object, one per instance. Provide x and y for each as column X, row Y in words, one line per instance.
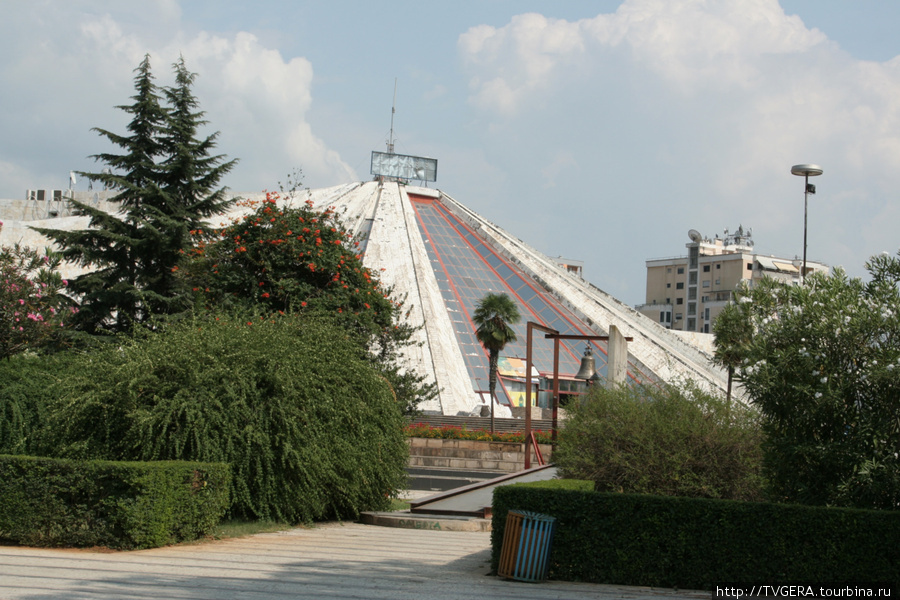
column 285, row 258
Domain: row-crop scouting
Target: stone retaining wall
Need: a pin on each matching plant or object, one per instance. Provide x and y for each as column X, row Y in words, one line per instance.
column 471, row 454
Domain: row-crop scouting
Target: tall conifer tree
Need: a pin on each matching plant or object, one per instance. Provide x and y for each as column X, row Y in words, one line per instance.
column 165, row 179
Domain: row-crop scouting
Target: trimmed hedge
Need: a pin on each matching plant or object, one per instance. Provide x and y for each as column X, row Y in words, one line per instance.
column 694, row 543
column 53, row 502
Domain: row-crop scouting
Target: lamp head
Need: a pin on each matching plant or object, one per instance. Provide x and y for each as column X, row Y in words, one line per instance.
column 806, row 170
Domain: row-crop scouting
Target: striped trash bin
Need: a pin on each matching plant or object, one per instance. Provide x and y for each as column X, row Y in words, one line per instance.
column 525, row 555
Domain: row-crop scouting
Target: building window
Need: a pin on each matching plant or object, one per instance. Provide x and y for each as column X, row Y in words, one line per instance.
column 706, row 283
column 718, row 282
column 704, row 299
column 668, row 301
column 706, row 268
column 678, row 316
column 692, row 309
column 679, row 300
column 692, row 324
column 718, row 265
column 706, row 314
column 681, row 270
column 692, row 278
column 692, row 294
column 668, row 285
column 679, row 285
column 669, row 270
column 749, row 266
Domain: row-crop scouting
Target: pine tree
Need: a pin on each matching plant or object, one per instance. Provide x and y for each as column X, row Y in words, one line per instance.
column 192, row 175
column 165, row 179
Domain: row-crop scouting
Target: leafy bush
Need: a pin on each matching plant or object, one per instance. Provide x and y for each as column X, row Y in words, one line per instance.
column 26, row 389
column 310, row 429
column 693, row 543
column 51, row 502
column 32, row 307
column 669, row 440
column 821, row 361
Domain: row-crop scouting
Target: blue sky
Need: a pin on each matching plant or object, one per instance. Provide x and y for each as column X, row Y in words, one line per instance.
column 600, row 130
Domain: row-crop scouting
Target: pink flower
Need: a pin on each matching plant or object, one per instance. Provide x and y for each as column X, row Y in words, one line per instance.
column 21, row 301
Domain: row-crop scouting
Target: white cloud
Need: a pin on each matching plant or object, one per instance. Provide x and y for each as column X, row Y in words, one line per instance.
column 698, row 108
column 536, row 45
column 258, row 99
column 693, row 44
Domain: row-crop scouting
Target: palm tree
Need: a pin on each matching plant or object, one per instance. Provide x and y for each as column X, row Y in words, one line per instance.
column 733, row 333
column 493, row 316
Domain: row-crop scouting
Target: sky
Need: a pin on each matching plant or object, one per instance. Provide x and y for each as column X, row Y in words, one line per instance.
column 598, row 130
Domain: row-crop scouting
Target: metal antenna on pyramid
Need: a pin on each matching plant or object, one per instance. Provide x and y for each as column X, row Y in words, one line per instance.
column 390, row 142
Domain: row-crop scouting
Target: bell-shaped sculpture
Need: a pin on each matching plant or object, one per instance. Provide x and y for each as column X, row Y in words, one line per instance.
column 588, row 367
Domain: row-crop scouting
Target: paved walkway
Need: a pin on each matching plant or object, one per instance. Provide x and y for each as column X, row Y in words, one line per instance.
column 331, row 561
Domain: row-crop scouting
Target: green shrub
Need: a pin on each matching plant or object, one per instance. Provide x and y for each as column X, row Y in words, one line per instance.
column 693, row 543
column 26, row 389
column 669, row 440
column 821, row 362
column 52, row 502
column 311, row 431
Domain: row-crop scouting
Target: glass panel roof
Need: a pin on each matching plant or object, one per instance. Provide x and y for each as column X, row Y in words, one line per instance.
column 467, row 269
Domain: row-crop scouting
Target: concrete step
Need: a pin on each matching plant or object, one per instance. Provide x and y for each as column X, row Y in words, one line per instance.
column 407, row 520
column 439, row 480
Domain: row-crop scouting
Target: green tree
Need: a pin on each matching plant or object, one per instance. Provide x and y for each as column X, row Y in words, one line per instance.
column 165, row 182
column 492, row 318
column 310, row 429
column 732, row 333
column 673, row 440
column 191, row 175
column 823, row 366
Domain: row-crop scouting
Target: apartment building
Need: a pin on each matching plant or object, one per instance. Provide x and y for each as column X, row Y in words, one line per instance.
column 687, row 293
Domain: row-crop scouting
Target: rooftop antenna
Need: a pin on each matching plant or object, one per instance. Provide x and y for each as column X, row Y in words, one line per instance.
column 390, row 142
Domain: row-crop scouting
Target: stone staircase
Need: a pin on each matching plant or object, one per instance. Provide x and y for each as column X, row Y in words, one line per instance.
column 439, row 464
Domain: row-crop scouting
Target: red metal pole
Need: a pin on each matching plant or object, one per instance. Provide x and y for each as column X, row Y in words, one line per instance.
column 555, row 387
column 528, row 398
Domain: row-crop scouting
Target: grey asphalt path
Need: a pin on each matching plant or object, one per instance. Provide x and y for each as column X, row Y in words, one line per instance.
column 330, row 561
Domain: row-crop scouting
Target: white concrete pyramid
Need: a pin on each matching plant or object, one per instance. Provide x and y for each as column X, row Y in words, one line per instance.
column 441, row 256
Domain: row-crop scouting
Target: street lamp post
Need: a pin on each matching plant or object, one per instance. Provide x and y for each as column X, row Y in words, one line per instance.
column 806, row 171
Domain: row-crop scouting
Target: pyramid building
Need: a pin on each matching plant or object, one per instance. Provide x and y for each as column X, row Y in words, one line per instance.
column 443, row 258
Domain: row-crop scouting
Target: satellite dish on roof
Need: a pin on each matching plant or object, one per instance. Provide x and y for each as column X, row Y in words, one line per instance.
column 695, row 235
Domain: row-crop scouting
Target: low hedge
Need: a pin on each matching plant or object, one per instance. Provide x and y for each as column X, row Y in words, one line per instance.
column 124, row 505
column 695, row 543
column 455, row 432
